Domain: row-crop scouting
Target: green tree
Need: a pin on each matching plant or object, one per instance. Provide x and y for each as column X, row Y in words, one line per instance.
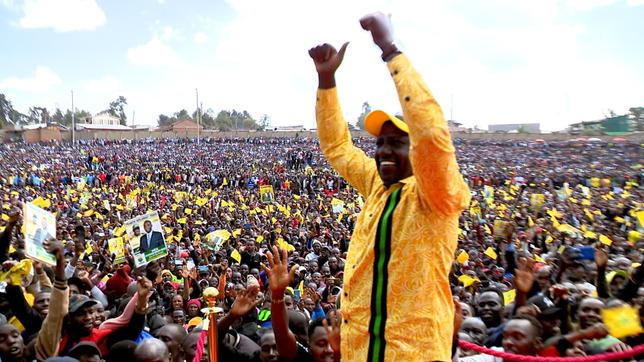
column 522, row 129
column 235, row 120
column 79, row 115
column 637, row 114
column 224, row 121
column 38, row 115
column 366, row 109
column 58, row 116
column 208, row 119
column 67, row 118
column 8, row 115
column 182, row 115
column 264, row 123
column 610, row 113
column 117, row 109
column 165, row 120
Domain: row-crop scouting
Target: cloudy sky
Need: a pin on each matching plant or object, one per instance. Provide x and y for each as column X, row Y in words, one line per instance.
column 487, row 61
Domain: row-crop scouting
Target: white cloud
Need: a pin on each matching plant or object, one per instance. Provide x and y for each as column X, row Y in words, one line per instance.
column 589, row 4
column 153, row 53
column 635, row 2
column 169, row 33
column 499, row 61
column 200, row 38
column 524, row 65
column 42, row 80
column 62, row 15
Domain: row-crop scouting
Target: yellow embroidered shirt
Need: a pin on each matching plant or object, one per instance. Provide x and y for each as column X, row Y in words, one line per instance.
column 417, row 322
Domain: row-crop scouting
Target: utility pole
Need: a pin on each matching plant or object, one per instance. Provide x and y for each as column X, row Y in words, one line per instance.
column 73, row 121
column 199, row 124
column 198, row 114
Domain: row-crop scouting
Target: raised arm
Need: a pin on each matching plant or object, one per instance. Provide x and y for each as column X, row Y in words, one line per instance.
column 335, row 141
column 51, row 330
column 279, row 277
column 5, row 236
column 431, row 151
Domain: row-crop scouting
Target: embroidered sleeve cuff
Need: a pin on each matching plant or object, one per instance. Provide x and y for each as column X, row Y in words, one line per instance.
column 60, row 284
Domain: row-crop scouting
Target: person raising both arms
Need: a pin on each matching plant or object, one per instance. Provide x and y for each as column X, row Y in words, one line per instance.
column 404, row 241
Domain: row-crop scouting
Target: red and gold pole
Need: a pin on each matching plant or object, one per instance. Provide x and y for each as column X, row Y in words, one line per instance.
column 210, row 295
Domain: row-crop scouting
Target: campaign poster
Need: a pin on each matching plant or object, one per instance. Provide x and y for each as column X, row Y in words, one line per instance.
column 40, row 225
column 116, row 247
column 145, row 235
column 266, row 194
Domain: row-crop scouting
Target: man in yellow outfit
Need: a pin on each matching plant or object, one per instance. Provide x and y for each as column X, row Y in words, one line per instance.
column 397, row 304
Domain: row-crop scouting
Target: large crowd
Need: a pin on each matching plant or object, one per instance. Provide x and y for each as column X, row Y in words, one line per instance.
column 550, row 241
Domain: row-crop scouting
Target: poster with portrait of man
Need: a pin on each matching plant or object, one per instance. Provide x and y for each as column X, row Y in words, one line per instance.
column 145, row 236
column 40, row 225
column 266, row 194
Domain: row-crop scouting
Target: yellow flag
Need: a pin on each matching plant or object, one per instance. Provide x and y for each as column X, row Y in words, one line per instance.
column 5, row 217
column 590, row 235
column 605, row 240
column 462, row 257
column 88, row 213
column 633, row 236
column 566, row 228
column 622, row 321
column 538, row 258
column 119, row 231
column 282, row 244
column 236, row 256
column 201, row 201
column 182, row 220
column 509, row 296
column 259, row 239
column 640, row 217
column 487, row 229
column 188, row 211
column 530, row 222
column 491, row 253
column 42, row 203
column 17, row 272
column 237, row 232
column 467, row 280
